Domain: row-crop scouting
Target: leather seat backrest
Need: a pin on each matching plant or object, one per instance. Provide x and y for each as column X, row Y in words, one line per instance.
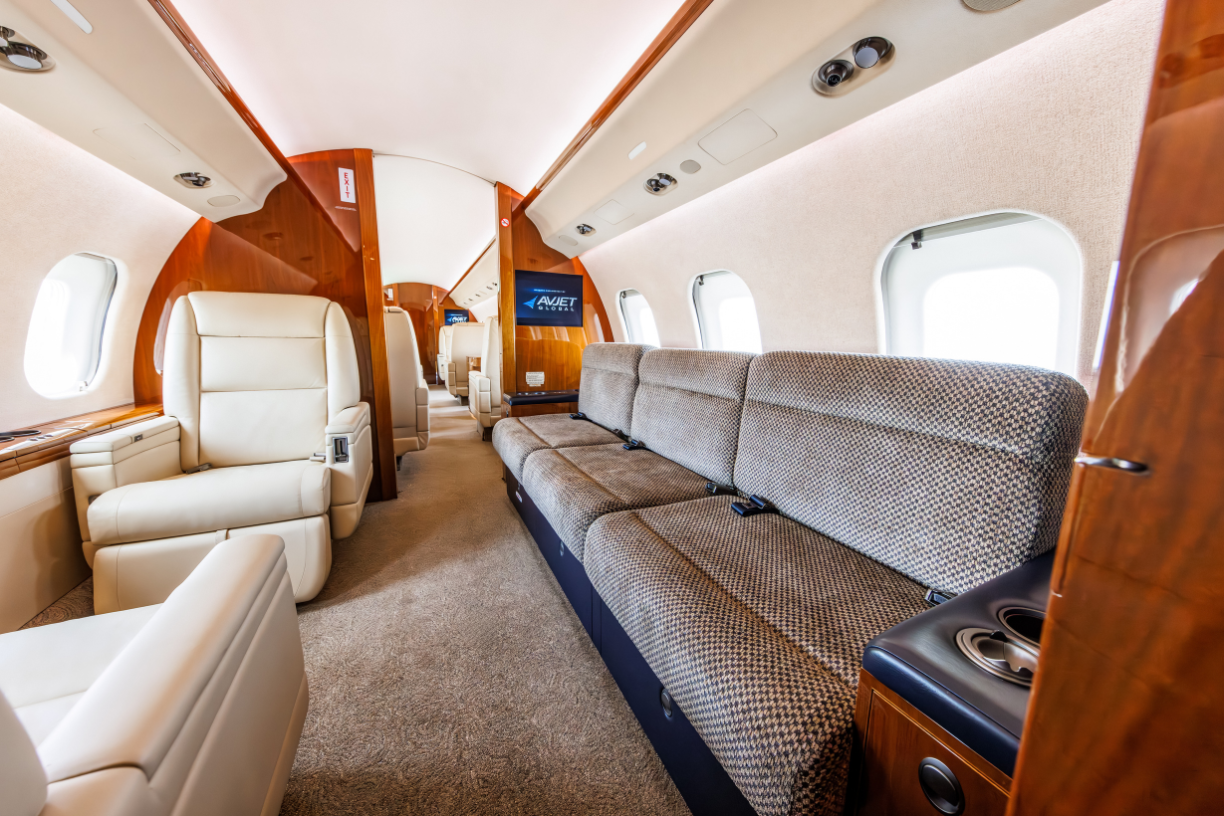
column 401, row 371
column 255, row 378
column 609, row 383
column 465, row 342
column 490, row 359
column 950, row 472
column 444, row 342
column 22, row 778
column 688, row 408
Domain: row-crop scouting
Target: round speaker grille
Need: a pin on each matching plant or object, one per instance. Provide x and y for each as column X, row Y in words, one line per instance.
column 989, row 5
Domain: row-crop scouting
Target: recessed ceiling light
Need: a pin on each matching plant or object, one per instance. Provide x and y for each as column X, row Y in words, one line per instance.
column 637, row 151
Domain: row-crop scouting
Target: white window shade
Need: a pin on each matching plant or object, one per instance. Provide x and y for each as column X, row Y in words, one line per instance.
column 638, row 317
column 64, row 342
column 1001, row 289
column 726, row 313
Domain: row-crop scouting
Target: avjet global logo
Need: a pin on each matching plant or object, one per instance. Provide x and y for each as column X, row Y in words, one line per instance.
column 546, row 303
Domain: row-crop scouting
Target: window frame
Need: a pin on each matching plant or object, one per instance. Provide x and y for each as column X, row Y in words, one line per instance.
column 103, row 319
column 1067, row 275
column 695, row 304
column 626, row 324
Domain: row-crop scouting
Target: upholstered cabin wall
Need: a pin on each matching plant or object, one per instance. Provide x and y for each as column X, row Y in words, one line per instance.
column 60, row 200
column 1050, row 127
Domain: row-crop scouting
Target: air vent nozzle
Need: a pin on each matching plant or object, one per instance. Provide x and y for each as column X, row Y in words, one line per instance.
column 660, row 184
column 18, row 54
column 193, row 180
column 585, row 229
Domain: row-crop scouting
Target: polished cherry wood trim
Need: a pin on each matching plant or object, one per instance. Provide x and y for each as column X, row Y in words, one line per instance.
column 893, row 738
column 507, row 198
column 470, row 268
column 1127, row 714
column 680, row 22
column 19, row 456
column 384, row 434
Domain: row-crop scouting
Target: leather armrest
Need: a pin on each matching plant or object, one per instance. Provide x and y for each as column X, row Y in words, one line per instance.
column 349, row 421
column 167, row 685
column 479, row 382
column 114, row 441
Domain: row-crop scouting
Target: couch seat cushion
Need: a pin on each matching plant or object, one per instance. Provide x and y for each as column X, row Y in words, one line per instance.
column 574, row 486
column 516, row 438
column 757, row 627
column 217, row 499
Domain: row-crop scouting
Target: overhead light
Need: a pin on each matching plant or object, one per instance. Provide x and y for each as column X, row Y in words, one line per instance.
column 660, row 184
column 17, row 54
column 585, row 229
column 637, row 151
column 193, row 180
column 74, row 15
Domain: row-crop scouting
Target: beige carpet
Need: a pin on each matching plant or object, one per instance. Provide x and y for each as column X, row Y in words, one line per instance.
column 448, row 673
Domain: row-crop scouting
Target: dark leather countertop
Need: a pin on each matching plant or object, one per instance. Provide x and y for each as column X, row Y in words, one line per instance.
column 919, row 660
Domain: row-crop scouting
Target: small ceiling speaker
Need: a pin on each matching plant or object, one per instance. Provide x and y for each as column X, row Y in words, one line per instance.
column 224, row 200
column 989, row 5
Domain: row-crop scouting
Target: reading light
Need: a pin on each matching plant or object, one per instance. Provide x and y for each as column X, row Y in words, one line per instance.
column 194, row 180
column 585, row 229
column 19, row 55
column 637, row 151
column 660, row 184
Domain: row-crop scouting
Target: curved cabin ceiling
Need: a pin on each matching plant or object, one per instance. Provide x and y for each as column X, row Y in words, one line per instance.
column 433, row 220
column 748, row 65
column 494, row 88
column 129, row 93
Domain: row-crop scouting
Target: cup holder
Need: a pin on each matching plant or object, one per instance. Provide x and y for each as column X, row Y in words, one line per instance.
column 1024, row 623
column 996, row 653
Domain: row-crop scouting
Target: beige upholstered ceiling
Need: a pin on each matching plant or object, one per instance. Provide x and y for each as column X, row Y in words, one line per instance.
column 494, row 88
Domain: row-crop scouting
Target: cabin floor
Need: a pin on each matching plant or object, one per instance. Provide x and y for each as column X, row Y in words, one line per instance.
column 448, row 674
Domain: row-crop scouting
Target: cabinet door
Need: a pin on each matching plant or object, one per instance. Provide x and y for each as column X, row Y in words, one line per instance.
column 895, row 747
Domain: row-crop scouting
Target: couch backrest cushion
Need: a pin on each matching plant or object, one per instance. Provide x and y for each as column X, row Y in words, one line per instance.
column 688, row 408
column 490, row 359
column 401, row 371
column 609, row 383
column 255, row 378
column 949, row 472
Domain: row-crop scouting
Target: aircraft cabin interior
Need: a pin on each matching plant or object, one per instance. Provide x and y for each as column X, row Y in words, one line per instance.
column 653, row 407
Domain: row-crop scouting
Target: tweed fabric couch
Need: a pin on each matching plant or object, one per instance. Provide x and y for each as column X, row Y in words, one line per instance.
column 882, row 477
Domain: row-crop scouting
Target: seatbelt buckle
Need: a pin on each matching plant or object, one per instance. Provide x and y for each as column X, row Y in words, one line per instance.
column 633, row 444
column 578, row 415
column 198, row 469
column 753, row 506
column 935, row 597
column 717, row 489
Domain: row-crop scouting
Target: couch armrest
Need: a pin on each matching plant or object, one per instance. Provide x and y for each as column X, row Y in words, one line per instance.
column 160, row 697
column 350, row 456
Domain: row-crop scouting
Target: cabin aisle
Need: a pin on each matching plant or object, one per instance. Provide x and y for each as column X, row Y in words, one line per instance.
column 447, row 672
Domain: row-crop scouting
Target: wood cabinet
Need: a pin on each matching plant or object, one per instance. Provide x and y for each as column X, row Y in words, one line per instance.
column 895, row 740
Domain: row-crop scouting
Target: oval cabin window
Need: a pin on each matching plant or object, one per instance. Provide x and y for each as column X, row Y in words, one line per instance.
column 726, row 313
column 1001, row 288
column 638, row 318
column 64, row 344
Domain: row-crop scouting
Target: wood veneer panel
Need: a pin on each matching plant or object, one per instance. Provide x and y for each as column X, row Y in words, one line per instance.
column 506, row 201
column 1126, row 715
column 18, row 456
column 897, row 737
column 680, row 22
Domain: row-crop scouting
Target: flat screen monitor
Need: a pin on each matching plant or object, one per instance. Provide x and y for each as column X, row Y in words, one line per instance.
column 547, row 299
column 454, row 316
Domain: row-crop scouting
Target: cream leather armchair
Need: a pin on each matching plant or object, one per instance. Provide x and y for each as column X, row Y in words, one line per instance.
column 263, row 433
column 444, row 338
column 409, row 393
column 194, row 706
column 484, row 386
column 465, row 342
